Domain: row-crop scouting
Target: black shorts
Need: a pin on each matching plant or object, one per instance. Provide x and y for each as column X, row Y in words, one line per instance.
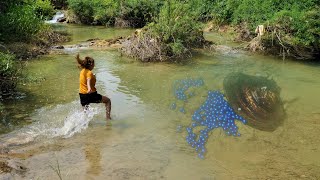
column 86, row 99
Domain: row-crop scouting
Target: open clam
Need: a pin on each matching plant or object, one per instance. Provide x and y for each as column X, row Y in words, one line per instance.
column 255, row 98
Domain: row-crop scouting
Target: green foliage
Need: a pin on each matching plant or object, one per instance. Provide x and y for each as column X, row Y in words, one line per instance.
column 20, row 23
column 5, row 4
column 43, row 8
column 310, row 31
column 106, row 11
column 7, row 65
column 143, row 10
column 254, row 12
column 223, row 10
column 84, row 9
column 177, row 47
column 295, row 22
column 300, row 28
column 177, row 28
column 201, row 9
column 8, row 72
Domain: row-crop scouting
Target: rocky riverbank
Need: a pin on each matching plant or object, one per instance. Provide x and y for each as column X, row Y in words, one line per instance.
column 39, row 46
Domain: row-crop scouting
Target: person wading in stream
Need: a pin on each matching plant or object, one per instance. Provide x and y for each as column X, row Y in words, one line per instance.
column 87, row 91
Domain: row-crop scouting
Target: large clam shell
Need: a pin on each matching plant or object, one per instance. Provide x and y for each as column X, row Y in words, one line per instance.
column 255, row 98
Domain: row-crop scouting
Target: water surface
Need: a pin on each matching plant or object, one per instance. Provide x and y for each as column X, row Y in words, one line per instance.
column 147, row 138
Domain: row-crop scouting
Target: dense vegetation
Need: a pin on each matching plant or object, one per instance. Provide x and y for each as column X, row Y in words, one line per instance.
column 22, row 35
column 171, row 28
column 123, row 13
column 170, row 37
column 8, row 73
column 23, row 19
column 292, row 27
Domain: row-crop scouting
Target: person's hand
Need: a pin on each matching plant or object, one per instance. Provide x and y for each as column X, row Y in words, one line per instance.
column 90, row 91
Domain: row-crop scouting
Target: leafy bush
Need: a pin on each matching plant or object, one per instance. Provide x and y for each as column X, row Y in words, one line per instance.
column 257, row 12
column 223, row 10
column 6, row 4
column 292, row 25
column 20, row 23
column 84, row 9
column 310, row 30
column 202, row 9
column 140, row 12
column 8, row 72
column 297, row 31
column 177, row 25
column 254, row 12
column 43, row 8
column 106, row 11
column 171, row 37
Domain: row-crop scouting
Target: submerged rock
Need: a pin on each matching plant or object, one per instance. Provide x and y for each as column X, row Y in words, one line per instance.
column 11, row 166
column 4, row 167
column 58, row 47
column 255, row 98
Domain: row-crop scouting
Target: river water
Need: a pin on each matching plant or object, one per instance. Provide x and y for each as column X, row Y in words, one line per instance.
column 45, row 129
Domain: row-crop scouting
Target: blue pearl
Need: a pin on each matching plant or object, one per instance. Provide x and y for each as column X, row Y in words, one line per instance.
column 173, row 106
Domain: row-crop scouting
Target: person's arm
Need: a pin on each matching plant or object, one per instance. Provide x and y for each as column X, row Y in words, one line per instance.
column 89, row 85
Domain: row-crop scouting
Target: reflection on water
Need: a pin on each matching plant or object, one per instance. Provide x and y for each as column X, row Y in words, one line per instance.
column 80, row 34
column 144, row 142
column 93, row 156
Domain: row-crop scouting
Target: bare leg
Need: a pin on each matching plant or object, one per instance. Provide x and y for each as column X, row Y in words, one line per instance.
column 107, row 103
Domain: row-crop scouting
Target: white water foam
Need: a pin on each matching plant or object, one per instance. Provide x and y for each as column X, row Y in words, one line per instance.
column 55, row 17
column 61, row 121
column 75, row 122
column 65, row 121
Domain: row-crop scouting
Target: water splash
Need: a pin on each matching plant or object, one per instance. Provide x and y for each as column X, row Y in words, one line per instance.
column 60, row 121
column 55, row 18
column 74, row 123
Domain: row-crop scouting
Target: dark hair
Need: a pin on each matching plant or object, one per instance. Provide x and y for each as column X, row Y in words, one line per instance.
column 86, row 63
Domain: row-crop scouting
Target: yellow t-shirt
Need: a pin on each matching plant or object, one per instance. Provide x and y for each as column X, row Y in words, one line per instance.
column 84, row 75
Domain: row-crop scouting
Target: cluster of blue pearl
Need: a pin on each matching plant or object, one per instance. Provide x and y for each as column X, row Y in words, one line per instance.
column 180, row 88
column 214, row 113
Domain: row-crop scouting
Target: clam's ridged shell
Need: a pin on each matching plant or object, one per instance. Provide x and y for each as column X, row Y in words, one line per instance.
column 255, row 98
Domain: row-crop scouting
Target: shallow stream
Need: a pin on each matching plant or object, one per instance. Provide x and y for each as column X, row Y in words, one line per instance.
column 45, row 128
